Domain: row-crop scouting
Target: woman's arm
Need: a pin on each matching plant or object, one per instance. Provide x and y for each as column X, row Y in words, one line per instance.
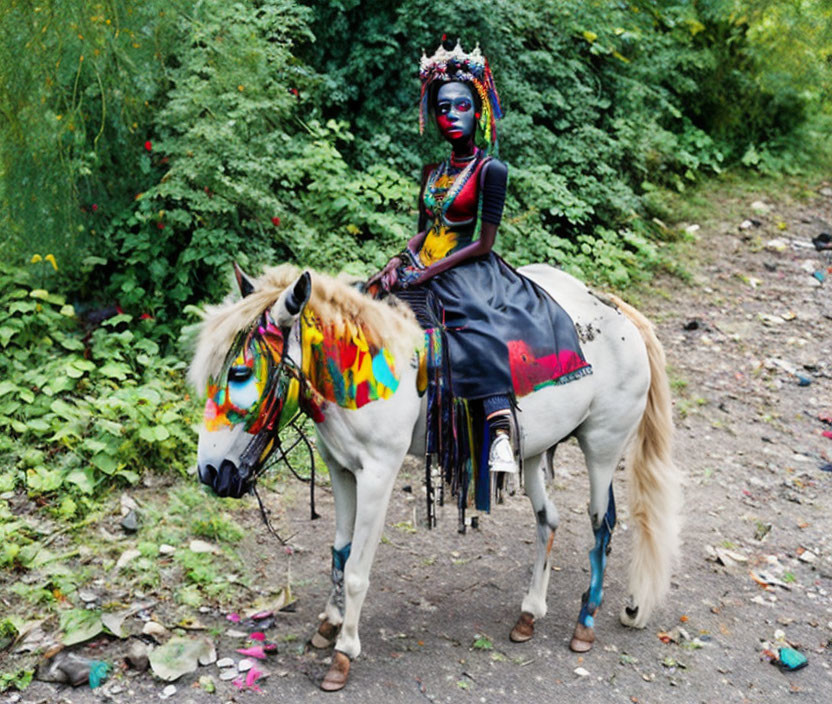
column 493, row 199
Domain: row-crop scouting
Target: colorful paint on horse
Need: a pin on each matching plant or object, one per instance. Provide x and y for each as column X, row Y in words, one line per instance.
column 598, row 563
column 530, row 373
column 342, row 365
column 244, row 396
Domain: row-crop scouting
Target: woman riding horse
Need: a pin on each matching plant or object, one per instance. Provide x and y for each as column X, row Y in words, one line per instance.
column 503, row 335
column 353, row 365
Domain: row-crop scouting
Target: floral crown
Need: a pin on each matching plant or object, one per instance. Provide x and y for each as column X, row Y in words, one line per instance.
column 455, row 65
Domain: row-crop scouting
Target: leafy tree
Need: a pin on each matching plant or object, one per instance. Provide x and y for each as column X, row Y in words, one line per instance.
column 79, row 81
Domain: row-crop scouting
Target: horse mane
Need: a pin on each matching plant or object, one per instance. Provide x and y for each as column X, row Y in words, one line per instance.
column 389, row 324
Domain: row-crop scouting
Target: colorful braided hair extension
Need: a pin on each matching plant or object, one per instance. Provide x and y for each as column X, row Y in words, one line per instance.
column 455, row 65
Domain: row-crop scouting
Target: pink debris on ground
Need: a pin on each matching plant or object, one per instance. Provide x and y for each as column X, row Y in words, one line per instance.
column 258, row 635
column 253, row 652
column 261, row 615
column 234, row 618
column 251, row 678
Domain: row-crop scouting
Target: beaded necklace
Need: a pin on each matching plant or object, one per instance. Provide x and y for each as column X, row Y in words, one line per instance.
column 445, row 196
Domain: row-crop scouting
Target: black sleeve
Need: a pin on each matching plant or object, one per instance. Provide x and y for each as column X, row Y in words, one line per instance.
column 494, row 191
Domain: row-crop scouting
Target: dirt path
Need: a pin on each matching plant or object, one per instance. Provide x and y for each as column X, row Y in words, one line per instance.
column 749, row 438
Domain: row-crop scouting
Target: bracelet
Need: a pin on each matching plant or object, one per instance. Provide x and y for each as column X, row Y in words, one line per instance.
column 409, row 257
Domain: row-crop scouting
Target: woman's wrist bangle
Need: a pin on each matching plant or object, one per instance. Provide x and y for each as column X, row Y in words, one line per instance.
column 408, row 257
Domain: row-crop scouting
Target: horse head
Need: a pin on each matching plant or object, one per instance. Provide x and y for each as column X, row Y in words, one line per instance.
column 255, row 393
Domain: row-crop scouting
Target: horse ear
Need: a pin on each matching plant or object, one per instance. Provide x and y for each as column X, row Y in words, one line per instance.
column 300, row 294
column 243, row 281
column 292, row 301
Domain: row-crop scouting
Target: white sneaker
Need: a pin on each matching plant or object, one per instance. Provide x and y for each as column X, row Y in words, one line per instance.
column 501, row 455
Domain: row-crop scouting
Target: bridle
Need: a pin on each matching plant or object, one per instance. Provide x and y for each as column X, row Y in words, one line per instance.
column 265, row 449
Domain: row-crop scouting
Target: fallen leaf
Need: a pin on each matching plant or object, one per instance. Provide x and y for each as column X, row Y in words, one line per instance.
column 126, row 557
column 180, row 656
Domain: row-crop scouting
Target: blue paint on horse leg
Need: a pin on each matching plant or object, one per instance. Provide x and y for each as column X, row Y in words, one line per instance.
column 339, row 562
column 339, row 557
column 598, row 563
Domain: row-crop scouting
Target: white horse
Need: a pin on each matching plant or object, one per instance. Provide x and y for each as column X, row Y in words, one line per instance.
column 256, row 359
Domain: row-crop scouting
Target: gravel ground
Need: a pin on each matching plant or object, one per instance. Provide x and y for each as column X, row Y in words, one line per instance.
column 738, row 336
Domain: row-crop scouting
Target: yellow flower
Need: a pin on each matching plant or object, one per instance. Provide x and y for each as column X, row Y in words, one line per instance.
column 51, row 259
column 35, row 259
column 240, row 88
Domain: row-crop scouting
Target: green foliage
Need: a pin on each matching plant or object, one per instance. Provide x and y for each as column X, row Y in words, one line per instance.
column 18, row 679
column 604, row 102
column 148, row 145
column 79, row 81
column 83, row 410
column 217, row 161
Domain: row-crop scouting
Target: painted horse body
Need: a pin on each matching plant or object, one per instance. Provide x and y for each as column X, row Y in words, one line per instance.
column 625, row 402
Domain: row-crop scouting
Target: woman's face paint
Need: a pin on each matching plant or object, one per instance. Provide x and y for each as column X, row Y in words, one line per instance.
column 455, row 111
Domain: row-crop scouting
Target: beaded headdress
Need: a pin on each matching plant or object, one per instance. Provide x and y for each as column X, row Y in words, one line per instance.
column 455, row 65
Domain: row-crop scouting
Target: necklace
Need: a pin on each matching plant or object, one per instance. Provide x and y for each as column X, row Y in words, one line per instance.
column 437, row 188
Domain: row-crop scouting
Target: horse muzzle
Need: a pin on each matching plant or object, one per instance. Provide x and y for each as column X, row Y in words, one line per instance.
column 227, row 480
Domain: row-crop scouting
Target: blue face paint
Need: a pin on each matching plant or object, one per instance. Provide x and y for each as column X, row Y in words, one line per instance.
column 455, row 111
column 598, row 563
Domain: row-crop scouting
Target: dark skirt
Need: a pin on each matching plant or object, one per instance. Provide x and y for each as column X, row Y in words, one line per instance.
column 489, row 331
column 502, row 333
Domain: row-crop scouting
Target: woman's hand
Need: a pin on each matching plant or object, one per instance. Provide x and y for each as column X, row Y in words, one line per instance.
column 392, row 265
column 389, row 280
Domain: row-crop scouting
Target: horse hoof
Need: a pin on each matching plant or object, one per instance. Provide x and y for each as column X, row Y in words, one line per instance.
column 583, row 639
column 524, row 628
column 338, row 673
column 629, row 617
column 324, row 637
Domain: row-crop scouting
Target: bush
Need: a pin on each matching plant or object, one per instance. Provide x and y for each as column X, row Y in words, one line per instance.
column 604, row 103
column 149, row 145
column 79, row 83
column 82, row 408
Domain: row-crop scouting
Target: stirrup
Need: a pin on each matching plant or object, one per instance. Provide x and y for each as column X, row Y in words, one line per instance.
column 501, row 455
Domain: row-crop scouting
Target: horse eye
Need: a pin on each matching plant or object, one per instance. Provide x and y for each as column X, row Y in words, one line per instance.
column 239, row 374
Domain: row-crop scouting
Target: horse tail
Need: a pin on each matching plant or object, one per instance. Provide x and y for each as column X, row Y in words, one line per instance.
column 654, row 487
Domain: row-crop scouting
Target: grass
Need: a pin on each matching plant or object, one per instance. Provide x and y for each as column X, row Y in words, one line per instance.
column 48, row 579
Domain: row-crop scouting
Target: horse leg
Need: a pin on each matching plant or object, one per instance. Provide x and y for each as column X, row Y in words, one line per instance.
column 602, row 450
column 374, row 484
column 343, row 491
column 584, row 635
column 534, row 603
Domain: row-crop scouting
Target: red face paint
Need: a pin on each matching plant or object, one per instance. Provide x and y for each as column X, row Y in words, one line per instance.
column 455, row 111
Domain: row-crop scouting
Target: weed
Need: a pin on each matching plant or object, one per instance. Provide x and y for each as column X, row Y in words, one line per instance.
column 405, row 526
column 677, row 383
